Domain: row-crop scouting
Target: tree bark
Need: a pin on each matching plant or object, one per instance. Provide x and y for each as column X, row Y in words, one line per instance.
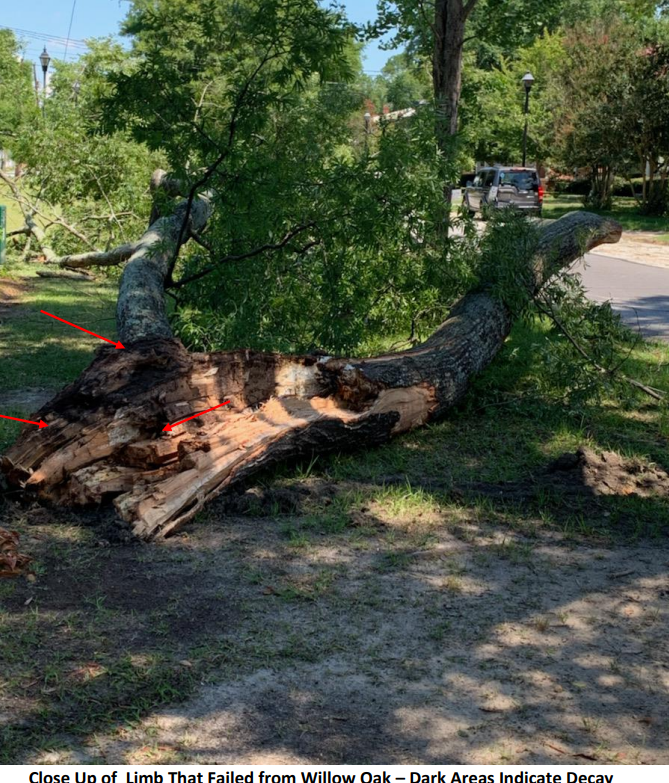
column 450, row 17
column 449, row 37
column 105, row 438
column 140, row 311
column 97, row 258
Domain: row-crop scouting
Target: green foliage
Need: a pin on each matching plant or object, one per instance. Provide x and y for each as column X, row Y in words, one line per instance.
column 376, row 266
column 492, row 108
column 402, row 83
column 597, row 78
column 646, row 118
column 504, row 260
column 18, row 105
column 589, row 347
column 260, row 102
column 616, row 109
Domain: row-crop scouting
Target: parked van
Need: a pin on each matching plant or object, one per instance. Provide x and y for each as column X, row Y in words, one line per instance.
column 505, row 186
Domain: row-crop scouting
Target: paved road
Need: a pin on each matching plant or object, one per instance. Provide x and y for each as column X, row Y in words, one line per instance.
column 638, row 292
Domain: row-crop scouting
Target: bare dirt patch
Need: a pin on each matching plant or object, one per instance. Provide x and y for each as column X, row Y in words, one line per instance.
column 11, row 293
column 493, row 650
column 416, row 638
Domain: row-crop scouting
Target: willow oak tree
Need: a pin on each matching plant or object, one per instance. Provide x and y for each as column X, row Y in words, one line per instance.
column 218, row 113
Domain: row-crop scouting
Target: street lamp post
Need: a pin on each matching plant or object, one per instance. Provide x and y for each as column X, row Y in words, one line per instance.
column 45, row 59
column 76, row 89
column 528, row 81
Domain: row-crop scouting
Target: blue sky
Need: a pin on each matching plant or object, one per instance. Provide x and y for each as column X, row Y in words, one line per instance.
column 94, row 18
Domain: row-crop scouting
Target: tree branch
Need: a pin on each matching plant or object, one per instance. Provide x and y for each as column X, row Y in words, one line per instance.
column 469, row 7
column 219, row 160
column 550, row 313
column 28, row 207
column 98, row 258
column 250, row 254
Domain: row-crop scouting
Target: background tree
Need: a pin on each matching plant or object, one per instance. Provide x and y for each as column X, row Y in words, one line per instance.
column 406, row 81
column 493, row 104
column 645, row 114
column 18, row 104
column 596, row 73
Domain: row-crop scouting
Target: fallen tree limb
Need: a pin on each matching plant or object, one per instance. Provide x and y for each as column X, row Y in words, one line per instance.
column 39, row 235
column 140, row 310
column 105, row 439
column 97, row 258
column 64, row 275
column 33, row 228
column 161, row 182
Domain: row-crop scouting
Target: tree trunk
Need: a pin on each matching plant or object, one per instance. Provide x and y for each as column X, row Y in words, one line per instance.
column 106, row 441
column 450, row 17
column 449, row 36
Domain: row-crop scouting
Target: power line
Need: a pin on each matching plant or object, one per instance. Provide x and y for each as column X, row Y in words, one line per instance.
column 55, row 39
column 69, row 29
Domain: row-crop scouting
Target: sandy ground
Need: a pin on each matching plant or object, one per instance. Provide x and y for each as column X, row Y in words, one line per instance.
column 480, row 646
column 640, row 247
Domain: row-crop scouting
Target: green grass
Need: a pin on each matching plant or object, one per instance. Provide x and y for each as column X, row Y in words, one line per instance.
column 506, row 431
column 37, row 352
column 14, row 215
column 625, row 211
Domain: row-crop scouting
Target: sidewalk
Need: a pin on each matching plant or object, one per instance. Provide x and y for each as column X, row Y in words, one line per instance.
column 639, row 247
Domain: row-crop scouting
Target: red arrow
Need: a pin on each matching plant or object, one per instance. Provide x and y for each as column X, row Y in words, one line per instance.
column 39, row 423
column 118, row 345
column 169, row 427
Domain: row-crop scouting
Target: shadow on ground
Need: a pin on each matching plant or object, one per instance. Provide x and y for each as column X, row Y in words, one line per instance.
column 396, row 628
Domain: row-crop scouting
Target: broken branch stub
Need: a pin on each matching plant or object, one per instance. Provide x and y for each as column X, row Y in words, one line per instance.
column 105, row 440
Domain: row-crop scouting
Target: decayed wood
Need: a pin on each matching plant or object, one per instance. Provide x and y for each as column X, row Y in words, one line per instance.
column 105, row 440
